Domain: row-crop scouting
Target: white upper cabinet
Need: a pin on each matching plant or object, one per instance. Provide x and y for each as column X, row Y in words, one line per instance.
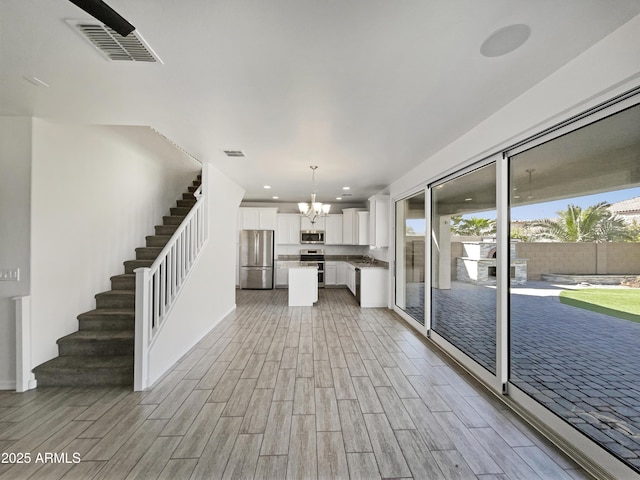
column 333, row 230
column 255, row 218
column 268, row 218
column 362, row 230
column 288, row 231
column 379, row 221
column 350, row 225
column 305, row 224
column 355, row 226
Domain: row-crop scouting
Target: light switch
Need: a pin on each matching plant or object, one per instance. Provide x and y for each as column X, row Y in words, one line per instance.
column 9, row 274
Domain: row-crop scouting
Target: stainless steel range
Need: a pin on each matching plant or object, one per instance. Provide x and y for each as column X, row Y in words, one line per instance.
column 315, row 255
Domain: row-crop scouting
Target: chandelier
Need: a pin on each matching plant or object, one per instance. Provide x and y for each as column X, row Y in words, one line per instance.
column 315, row 209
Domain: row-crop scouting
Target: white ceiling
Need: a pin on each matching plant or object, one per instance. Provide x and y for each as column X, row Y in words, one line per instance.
column 365, row 89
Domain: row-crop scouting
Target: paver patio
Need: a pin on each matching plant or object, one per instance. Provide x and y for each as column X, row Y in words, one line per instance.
column 582, row 365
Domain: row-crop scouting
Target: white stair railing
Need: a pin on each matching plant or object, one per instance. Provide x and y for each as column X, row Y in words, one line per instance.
column 158, row 286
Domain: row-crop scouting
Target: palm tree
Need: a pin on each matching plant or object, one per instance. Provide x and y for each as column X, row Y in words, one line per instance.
column 634, row 231
column 592, row 224
column 472, row 226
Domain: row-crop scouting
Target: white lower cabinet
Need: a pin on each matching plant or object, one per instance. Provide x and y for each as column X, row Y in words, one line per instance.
column 331, row 273
column 282, row 274
column 351, row 278
column 374, row 287
column 373, row 281
column 342, row 273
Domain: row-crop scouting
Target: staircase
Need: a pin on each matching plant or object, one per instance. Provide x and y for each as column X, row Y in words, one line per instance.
column 101, row 351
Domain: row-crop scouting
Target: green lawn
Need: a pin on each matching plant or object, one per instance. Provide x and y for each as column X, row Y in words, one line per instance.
column 616, row 302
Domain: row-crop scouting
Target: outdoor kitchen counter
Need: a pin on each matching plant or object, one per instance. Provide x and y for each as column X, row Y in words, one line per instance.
column 303, row 283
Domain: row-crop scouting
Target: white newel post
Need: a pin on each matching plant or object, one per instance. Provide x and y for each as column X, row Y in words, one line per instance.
column 25, row 380
column 142, row 326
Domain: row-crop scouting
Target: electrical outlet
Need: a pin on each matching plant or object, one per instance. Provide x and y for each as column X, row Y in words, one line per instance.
column 9, row 274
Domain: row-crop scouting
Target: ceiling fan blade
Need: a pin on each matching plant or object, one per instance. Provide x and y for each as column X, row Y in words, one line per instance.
column 106, row 14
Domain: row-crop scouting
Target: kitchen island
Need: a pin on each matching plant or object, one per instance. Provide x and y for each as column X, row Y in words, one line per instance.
column 303, row 283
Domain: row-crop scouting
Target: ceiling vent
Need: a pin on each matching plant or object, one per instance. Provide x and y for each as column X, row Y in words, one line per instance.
column 112, row 45
column 234, row 153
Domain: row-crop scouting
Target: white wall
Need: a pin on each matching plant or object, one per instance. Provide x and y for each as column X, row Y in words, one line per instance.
column 15, row 203
column 209, row 294
column 97, row 191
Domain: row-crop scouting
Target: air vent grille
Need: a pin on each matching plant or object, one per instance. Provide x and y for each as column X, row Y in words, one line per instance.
column 234, row 153
column 114, row 46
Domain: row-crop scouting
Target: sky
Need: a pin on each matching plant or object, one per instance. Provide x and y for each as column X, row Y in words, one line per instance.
column 547, row 209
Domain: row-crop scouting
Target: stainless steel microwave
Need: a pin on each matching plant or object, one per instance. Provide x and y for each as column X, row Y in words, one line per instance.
column 311, row 236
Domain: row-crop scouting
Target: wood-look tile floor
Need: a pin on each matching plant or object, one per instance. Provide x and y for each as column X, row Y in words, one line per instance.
column 332, row 392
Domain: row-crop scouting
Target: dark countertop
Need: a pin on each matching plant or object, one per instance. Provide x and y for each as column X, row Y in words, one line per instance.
column 355, row 260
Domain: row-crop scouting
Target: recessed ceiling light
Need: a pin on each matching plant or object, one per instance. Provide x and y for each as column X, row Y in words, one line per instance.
column 516, row 196
column 338, row 198
column 468, row 199
column 275, row 198
column 346, row 188
column 267, row 186
column 505, row 40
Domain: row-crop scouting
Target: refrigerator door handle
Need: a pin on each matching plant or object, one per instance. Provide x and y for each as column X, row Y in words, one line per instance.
column 255, row 245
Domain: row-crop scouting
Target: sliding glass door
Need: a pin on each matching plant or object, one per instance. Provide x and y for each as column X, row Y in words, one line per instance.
column 574, row 310
column 410, row 256
column 463, row 263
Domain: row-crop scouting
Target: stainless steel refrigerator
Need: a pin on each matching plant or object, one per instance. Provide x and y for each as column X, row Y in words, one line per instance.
column 256, row 259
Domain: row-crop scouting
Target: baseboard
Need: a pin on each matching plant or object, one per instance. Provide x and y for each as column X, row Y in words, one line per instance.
column 8, row 385
column 29, row 384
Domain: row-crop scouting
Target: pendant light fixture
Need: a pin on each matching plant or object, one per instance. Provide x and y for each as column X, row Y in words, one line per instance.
column 314, row 210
